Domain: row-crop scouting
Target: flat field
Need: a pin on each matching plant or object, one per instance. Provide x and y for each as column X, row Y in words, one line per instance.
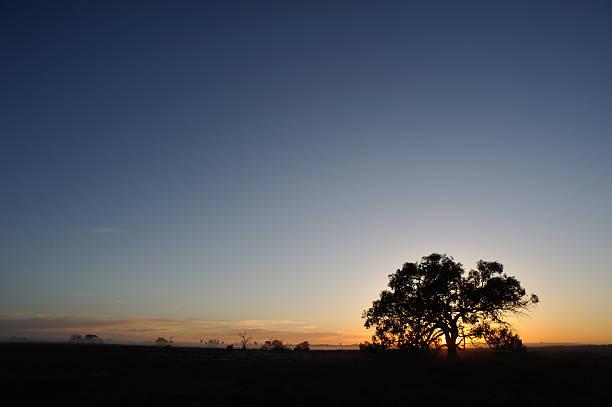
column 64, row 374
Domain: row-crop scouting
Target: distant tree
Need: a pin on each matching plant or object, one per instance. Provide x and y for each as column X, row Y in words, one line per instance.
column 499, row 338
column 162, row 341
column 371, row 347
column 244, row 339
column 431, row 300
column 302, row 347
column 273, row 344
column 89, row 338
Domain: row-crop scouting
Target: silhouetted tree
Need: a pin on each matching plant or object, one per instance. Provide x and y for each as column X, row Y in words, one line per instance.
column 89, row 338
column 162, row 341
column 499, row 338
column 273, row 344
column 371, row 347
column 431, row 300
column 244, row 339
column 302, row 347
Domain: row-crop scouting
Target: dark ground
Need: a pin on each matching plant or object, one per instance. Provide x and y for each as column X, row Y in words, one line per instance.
column 107, row 374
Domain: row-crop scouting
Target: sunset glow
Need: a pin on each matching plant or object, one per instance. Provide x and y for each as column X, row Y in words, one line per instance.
column 196, row 171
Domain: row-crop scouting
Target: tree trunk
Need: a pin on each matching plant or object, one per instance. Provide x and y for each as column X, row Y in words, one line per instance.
column 451, row 345
column 452, row 350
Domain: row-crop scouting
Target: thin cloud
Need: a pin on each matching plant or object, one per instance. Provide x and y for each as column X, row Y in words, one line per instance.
column 10, row 314
column 264, row 322
column 114, row 303
column 142, row 329
column 107, row 230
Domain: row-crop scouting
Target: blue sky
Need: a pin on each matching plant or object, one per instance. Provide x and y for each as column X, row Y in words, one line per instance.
column 235, row 161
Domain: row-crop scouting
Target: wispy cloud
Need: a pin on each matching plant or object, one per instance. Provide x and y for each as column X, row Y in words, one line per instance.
column 264, row 323
column 10, row 315
column 107, row 230
column 110, row 304
column 132, row 329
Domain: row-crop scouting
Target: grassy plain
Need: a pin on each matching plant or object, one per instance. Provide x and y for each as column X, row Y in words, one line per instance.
column 64, row 374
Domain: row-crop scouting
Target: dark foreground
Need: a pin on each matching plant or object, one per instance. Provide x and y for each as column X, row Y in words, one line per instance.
column 107, row 374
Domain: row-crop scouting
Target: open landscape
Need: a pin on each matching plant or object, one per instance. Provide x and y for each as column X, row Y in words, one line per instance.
column 306, row 203
column 147, row 375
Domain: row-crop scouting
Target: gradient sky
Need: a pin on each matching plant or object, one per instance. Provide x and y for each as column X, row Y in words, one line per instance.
column 200, row 168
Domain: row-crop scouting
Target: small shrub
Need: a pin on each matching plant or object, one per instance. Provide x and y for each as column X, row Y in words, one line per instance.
column 275, row 344
column 89, row 338
column 302, row 347
column 500, row 338
column 162, row 341
column 229, row 348
column 371, row 347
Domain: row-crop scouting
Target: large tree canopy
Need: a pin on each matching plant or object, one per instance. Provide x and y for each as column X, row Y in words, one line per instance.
column 432, row 299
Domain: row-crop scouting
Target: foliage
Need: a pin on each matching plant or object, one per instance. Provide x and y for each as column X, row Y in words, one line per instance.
column 372, row 346
column 302, row 347
column 89, row 338
column 162, row 341
column 432, row 300
column 499, row 338
column 273, row 344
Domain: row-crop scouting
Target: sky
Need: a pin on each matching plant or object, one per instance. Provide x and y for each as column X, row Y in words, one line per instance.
column 193, row 169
